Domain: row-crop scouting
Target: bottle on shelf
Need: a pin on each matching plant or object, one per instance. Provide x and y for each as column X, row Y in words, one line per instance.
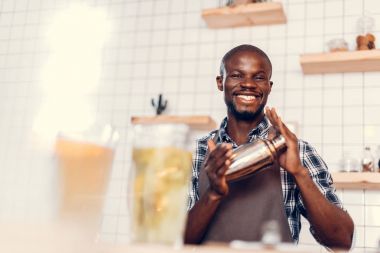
column 368, row 160
column 377, row 159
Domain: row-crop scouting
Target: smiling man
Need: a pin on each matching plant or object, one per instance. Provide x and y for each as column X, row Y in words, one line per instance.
column 306, row 184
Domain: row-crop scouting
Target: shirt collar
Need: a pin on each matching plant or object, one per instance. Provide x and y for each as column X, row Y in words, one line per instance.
column 261, row 131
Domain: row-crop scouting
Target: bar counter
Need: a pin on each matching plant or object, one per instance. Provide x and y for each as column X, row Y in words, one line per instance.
column 41, row 238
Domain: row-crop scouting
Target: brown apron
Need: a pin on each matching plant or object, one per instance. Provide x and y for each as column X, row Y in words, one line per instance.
column 250, row 203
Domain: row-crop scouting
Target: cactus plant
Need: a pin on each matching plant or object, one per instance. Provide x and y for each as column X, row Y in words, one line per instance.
column 161, row 105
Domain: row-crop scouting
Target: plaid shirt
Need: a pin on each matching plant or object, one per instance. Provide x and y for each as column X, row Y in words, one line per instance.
column 291, row 194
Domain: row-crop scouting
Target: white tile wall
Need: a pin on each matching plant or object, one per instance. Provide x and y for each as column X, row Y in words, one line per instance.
column 163, row 46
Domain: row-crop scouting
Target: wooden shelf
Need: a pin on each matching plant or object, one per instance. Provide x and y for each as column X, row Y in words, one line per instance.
column 245, row 15
column 336, row 62
column 195, row 122
column 356, row 180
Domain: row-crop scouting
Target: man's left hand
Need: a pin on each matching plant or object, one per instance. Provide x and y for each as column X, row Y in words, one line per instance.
column 289, row 160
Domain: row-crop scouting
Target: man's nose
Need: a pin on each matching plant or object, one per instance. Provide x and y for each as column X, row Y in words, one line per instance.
column 248, row 82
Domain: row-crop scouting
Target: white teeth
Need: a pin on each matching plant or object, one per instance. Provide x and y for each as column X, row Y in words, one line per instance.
column 247, row 97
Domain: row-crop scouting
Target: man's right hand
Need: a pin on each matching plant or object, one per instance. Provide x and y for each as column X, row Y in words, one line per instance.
column 216, row 165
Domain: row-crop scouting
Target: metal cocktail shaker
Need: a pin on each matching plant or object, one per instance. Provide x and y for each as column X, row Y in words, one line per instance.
column 253, row 156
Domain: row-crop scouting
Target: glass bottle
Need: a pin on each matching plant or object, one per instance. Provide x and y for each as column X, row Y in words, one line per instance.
column 377, row 159
column 159, row 183
column 367, row 160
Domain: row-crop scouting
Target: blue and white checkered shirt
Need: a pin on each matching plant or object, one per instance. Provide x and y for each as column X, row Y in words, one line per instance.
column 292, row 197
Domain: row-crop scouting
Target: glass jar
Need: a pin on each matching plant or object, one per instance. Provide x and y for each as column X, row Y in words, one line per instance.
column 159, row 182
column 366, row 39
column 336, row 45
column 84, row 161
column 367, row 160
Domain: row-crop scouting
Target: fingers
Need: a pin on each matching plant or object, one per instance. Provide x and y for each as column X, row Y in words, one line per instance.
column 272, row 133
column 216, row 165
column 290, row 137
column 276, row 121
column 211, row 145
column 219, row 158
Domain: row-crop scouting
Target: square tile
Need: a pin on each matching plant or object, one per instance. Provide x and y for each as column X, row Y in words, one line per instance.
column 357, row 213
column 371, row 96
column 352, row 115
column 295, row 45
column 293, row 98
column 313, row 97
column 111, row 206
column 351, row 80
column 353, row 8
column 109, row 224
column 334, row 8
column 333, row 115
column 277, row 31
column 372, row 237
column 124, row 225
column 332, row 134
column 371, row 79
column 333, row 26
column 276, row 98
column 372, row 197
column 314, row 10
column 276, row 47
column 296, row 11
column 332, row 97
column 331, row 155
column 359, row 237
column 372, row 216
column 353, row 96
column 312, row 116
column 314, row 27
column 353, row 197
column 312, row 134
column 296, row 28
column 372, row 6
column 176, row 21
column 292, row 114
column 313, row 81
column 369, row 115
column 353, row 134
column 293, row 81
column 186, row 85
column 292, row 63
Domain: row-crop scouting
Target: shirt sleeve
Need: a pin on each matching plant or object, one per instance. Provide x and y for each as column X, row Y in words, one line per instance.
column 198, row 158
column 319, row 173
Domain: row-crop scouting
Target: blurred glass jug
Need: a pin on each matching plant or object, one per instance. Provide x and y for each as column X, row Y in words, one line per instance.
column 159, row 183
column 84, row 164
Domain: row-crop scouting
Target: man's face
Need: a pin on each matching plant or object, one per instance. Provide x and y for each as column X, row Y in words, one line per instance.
column 246, row 84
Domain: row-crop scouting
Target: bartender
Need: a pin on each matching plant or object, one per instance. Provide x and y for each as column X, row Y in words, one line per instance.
column 306, row 183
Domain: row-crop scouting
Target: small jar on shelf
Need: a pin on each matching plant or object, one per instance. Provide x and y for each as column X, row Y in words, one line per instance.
column 349, row 163
column 377, row 159
column 365, row 40
column 368, row 160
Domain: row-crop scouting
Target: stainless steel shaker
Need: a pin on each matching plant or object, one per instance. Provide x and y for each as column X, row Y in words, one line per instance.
column 253, row 156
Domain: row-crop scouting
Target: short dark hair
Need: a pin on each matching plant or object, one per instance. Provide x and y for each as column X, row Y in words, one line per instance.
column 241, row 48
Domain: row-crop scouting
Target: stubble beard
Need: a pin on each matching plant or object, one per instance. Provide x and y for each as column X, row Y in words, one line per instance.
column 244, row 115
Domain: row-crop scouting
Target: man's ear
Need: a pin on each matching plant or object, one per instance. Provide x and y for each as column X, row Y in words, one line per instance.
column 271, row 84
column 219, row 82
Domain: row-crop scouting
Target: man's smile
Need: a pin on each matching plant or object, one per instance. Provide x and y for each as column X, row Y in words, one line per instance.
column 248, row 97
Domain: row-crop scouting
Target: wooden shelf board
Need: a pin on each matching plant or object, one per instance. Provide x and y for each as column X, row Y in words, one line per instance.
column 356, row 180
column 199, row 122
column 245, row 15
column 337, row 62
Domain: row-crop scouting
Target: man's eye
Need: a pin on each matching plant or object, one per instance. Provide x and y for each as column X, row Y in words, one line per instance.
column 236, row 76
column 260, row 78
